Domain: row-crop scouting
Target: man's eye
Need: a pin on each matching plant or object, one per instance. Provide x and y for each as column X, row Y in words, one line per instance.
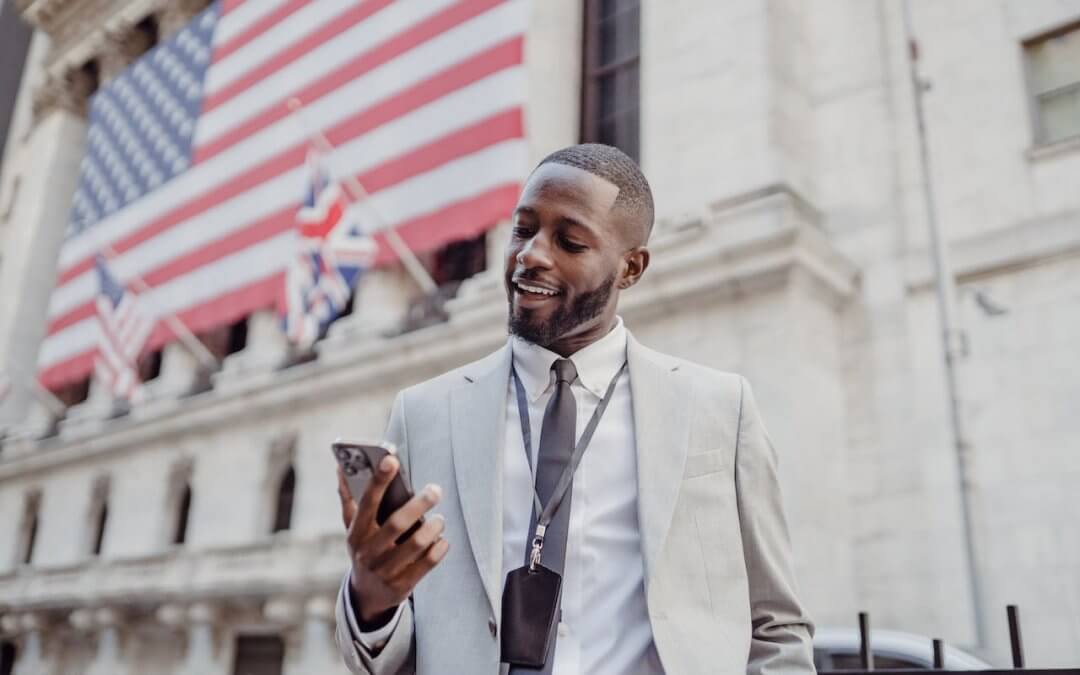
column 572, row 246
column 522, row 232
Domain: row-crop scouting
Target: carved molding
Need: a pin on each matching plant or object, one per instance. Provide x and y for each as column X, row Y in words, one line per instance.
column 69, row 91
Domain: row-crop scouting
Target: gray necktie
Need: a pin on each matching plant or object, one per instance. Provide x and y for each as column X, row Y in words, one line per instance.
column 557, row 438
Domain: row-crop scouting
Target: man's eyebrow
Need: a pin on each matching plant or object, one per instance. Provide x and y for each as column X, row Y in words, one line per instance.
column 528, row 210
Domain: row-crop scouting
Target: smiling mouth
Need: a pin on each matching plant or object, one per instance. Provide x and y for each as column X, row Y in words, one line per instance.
column 531, row 291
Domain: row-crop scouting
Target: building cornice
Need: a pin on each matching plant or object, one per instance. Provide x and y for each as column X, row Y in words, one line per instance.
column 747, row 247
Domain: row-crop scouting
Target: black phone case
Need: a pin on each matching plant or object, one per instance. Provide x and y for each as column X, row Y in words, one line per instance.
column 530, row 606
column 397, row 493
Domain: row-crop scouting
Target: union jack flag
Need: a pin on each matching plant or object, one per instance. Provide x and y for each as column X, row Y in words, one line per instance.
column 123, row 328
column 194, row 161
column 333, row 252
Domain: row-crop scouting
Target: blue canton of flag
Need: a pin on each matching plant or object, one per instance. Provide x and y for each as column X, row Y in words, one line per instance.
column 142, row 124
column 123, row 330
column 332, row 253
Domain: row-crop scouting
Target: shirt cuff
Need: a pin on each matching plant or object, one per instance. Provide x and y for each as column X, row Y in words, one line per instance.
column 371, row 641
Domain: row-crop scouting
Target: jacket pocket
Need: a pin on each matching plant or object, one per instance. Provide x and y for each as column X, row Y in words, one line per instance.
column 703, row 463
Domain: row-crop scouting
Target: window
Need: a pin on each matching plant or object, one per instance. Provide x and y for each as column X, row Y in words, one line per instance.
column 99, row 515
column 284, row 506
column 610, row 100
column 7, row 658
column 1053, row 68
column 259, row 655
column 226, row 339
column 74, row 393
column 149, row 366
column 29, row 528
column 183, row 508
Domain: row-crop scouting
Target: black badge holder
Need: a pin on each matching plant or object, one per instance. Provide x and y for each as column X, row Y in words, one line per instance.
column 530, row 608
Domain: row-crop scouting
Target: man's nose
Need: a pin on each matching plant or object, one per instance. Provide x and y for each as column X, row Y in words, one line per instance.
column 536, row 252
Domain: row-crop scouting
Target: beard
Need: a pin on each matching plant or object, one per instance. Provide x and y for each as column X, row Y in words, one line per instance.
column 525, row 323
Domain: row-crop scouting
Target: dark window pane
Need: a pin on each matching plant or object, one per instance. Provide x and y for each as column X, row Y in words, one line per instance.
column 182, row 511
column 609, row 7
column 259, row 655
column 31, row 537
column 99, row 528
column 619, row 36
column 7, row 658
column 283, row 511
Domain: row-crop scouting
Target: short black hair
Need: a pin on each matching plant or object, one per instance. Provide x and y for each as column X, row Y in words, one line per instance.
column 635, row 198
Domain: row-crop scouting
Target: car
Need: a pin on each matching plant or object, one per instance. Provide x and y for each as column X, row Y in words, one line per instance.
column 837, row 648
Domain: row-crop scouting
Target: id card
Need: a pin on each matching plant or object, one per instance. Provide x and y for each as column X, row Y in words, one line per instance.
column 530, row 606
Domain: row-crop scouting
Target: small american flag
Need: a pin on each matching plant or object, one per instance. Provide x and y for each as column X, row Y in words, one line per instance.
column 194, row 162
column 123, row 330
column 333, row 252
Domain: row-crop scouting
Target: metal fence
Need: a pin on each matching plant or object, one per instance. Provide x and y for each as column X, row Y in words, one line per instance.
column 866, row 654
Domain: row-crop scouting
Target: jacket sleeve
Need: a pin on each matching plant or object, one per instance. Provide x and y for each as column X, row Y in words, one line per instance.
column 397, row 655
column 781, row 631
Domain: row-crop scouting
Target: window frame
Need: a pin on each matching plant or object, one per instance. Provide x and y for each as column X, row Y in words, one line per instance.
column 1039, row 137
column 592, row 73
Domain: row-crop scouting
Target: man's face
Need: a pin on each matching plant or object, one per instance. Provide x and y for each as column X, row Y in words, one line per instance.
column 564, row 258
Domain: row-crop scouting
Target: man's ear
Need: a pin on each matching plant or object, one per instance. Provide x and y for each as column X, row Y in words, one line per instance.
column 635, row 262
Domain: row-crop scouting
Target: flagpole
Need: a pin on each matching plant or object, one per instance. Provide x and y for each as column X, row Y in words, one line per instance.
column 182, row 332
column 401, row 249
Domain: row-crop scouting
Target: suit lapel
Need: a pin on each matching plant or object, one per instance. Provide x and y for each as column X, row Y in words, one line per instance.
column 661, row 430
column 478, row 420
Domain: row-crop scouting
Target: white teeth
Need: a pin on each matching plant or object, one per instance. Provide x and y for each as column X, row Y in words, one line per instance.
column 535, row 289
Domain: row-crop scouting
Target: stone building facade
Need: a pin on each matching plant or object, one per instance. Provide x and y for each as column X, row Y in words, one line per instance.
column 792, row 246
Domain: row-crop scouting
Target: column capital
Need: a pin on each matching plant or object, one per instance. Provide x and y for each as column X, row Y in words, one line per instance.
column 321, row 608
column 285, row 611
column 81, row 619
column 203, row 613
column 69, row 91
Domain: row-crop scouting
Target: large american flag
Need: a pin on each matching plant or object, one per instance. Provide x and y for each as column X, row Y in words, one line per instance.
column 194, row 163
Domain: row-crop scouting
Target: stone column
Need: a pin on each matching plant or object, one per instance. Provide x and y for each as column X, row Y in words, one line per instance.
column 38, row 222
column 309, row 631
column 267, row 348
column 382, row 301
column 109, row 659
column 204, row 656
column 31, row 658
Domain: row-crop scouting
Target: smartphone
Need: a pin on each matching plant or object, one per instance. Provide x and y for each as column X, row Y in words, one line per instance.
column 359, row 461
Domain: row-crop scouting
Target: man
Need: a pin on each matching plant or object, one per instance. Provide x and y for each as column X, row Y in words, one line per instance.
column 670, row 543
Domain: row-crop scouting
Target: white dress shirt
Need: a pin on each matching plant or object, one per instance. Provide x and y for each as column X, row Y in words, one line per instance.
column 605, row 626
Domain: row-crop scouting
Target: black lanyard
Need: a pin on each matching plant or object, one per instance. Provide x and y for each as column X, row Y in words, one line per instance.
column 546, row 513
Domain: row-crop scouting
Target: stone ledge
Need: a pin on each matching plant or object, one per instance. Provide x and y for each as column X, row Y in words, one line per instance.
column 1022, row 245
column 750, row 246
column 253, row 570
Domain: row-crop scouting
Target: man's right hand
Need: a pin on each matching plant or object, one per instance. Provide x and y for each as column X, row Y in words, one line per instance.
column 384, row 572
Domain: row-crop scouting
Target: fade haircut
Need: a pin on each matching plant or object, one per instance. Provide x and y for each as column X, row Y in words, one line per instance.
column 634, row 201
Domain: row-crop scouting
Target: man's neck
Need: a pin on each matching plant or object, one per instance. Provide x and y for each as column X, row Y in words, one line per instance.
column 571, row 344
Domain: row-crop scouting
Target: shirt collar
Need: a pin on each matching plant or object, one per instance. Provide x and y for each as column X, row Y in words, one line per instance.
column 596, row 363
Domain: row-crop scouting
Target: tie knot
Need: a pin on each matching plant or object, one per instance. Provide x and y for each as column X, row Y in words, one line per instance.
column 565, row 371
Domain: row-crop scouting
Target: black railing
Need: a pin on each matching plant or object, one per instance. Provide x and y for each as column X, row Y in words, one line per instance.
column 866, row 654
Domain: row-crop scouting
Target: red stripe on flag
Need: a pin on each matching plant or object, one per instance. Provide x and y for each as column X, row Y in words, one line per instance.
column 463, row 220
column 487, row 132
column 491, row 61
column 349, row 72
column 229, row 5
column 259, row 27
column 296, row 50
column 468, row 218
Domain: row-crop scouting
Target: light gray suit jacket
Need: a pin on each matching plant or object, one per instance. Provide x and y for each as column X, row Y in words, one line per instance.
column 718, row 578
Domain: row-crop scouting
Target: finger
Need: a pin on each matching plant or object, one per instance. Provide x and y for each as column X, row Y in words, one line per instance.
column 424, row 564
column 401, row 520
column 348, row 504
column 407, row 552
column 368, row 506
